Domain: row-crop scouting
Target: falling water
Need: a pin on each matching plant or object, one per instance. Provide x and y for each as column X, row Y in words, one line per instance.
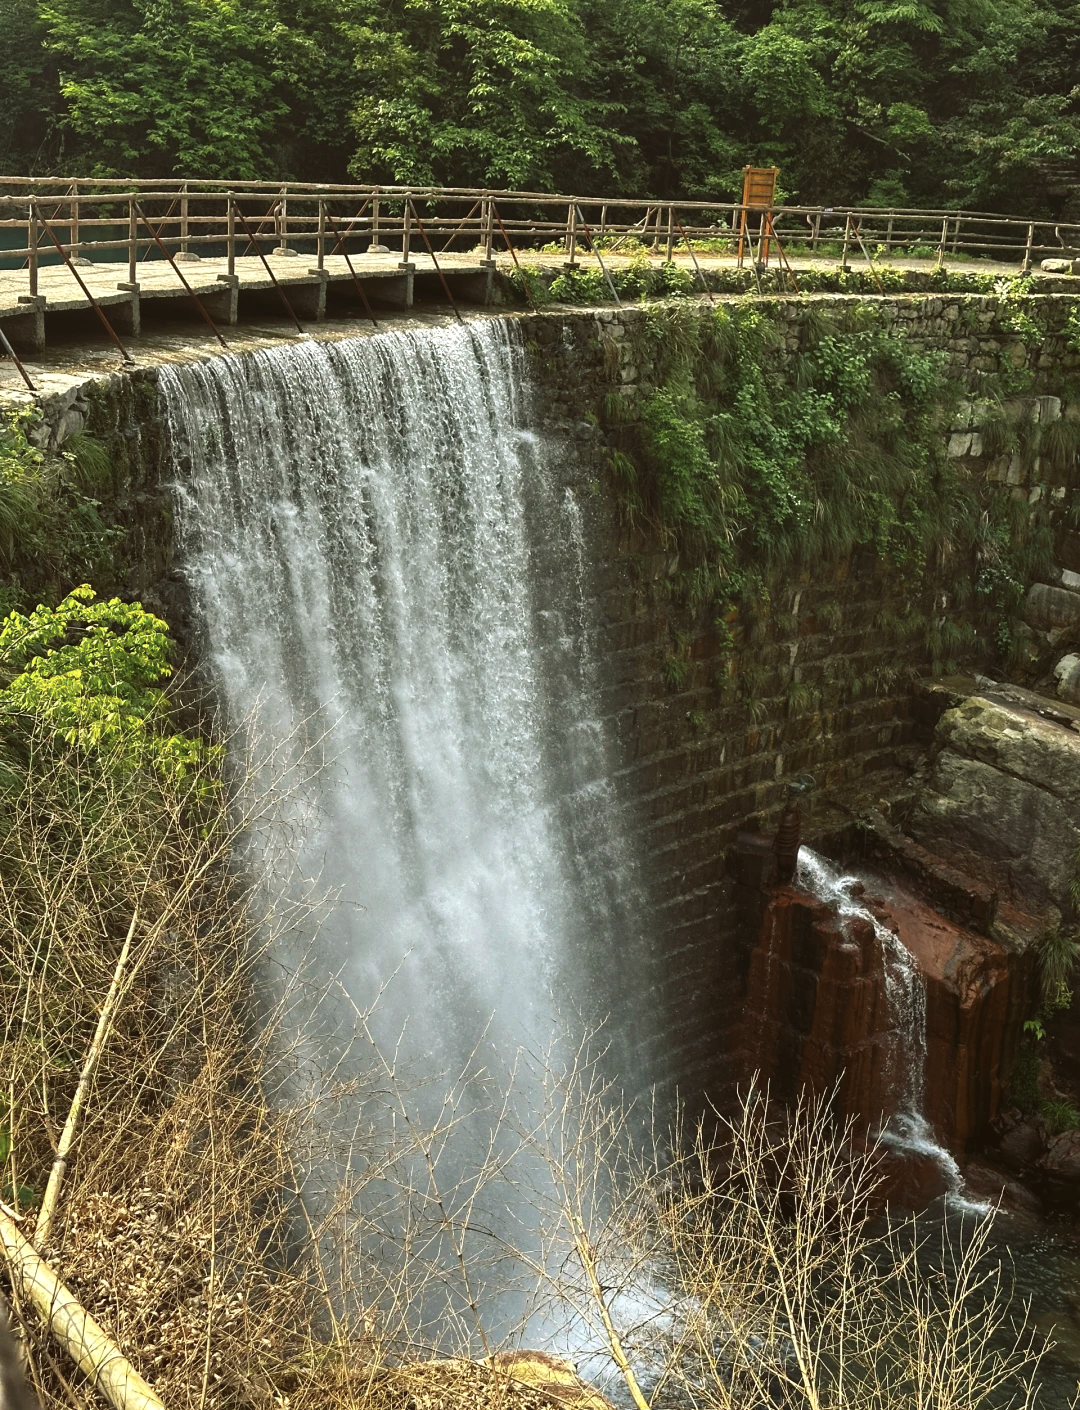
column 358, row 532
column 907, row 1129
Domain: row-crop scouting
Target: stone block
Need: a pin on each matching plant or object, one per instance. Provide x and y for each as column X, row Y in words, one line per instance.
column 1003, row 800
column 25, row 329
column 1048, row 609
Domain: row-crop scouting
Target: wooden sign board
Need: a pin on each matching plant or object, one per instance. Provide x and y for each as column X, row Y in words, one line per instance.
column 758, row 194
column 759, row 187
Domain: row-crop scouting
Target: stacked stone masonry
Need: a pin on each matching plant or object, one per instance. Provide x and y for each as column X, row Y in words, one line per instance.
column 697, row 762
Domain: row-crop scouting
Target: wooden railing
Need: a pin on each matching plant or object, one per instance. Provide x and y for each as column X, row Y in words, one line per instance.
column 79, row 219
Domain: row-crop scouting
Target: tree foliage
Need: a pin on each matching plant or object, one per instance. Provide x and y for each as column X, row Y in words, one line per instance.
column 964, row 102
column 89, row 672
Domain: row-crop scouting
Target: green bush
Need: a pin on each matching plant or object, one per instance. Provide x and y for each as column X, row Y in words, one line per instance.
column 88, row 674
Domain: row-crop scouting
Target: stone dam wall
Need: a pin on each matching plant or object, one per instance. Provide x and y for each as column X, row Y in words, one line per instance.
column 705, row 757
column 817, row 681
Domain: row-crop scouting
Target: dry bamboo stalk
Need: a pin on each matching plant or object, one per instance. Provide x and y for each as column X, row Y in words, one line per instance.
column 92, row 1350
column 43, row 1227
column 588, row 1263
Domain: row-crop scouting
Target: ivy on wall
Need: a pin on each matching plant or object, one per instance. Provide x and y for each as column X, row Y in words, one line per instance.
column 752, row 459
column 52, row 531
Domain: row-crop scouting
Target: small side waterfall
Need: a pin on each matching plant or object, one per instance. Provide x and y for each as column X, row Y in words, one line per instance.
column 390, row 588
column 907, row 1128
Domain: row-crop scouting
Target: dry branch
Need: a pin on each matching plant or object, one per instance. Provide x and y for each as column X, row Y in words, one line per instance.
column 92, row 1350
column 67, row 1136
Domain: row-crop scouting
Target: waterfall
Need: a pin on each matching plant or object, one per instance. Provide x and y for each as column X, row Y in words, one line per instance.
column 362, row 527
column 907, row 1128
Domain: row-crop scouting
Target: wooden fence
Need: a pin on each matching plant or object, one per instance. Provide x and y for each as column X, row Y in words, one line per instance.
column 56, row 218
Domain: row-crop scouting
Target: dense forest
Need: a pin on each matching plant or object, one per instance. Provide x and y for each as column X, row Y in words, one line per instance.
column 967, row 103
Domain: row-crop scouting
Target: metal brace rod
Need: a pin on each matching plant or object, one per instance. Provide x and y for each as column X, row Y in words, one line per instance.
column 348, row 262
column 599, row 256
column 273, row 278
column 690, row 249
column 180, row 275
column 781, row 251
column 355, row 220
column 435, row 262
column 513, row 256
column 461, row 224
column 82, row 285
column 164, row 218
column 15, row 359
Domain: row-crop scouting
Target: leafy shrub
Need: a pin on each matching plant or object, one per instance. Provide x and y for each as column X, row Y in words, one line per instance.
column 754, row 462
column 88, row 673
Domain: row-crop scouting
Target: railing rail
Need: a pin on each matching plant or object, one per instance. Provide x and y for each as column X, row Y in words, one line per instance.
column 193, row 217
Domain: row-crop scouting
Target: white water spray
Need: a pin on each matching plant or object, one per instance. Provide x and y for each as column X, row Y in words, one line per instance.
column 354, row 528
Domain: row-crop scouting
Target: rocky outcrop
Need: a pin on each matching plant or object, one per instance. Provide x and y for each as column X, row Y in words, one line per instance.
column 1052, row 609
column 1002, row 801
column 819, row 1012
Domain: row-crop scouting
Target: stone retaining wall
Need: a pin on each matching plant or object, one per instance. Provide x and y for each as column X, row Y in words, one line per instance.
column 697, row 760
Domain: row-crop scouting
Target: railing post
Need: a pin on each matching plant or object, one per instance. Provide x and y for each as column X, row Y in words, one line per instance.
column 230, row 232
column 321, row 237
column 670, row 233
column 283, row 221
column 133, row 249
column 489, row 227
column 185, row 231
column 571, row 236
column 376, row 247
column 73, row 234
column 888, row 233
column 405, row 231
column 1026, row 265
column 847, row 242
column 956, row 233
column 32, row 247
column 941, row 243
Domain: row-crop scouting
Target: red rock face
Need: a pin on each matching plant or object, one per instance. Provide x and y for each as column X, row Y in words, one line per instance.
column 818, row 1012
column 967, row 1018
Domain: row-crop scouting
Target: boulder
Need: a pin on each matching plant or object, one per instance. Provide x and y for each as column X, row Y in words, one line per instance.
column 1022, row 1146
column 983, row 1181
column 555, row 1378
column 1067, row 675
column 519, row 1380
column 1060, row 266
column 909, row 1179
column 1049, row 609
column 1003, row 801
column 1062, row 1159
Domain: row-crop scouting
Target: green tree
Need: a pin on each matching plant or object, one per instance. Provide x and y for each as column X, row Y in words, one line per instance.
column 476, row 92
